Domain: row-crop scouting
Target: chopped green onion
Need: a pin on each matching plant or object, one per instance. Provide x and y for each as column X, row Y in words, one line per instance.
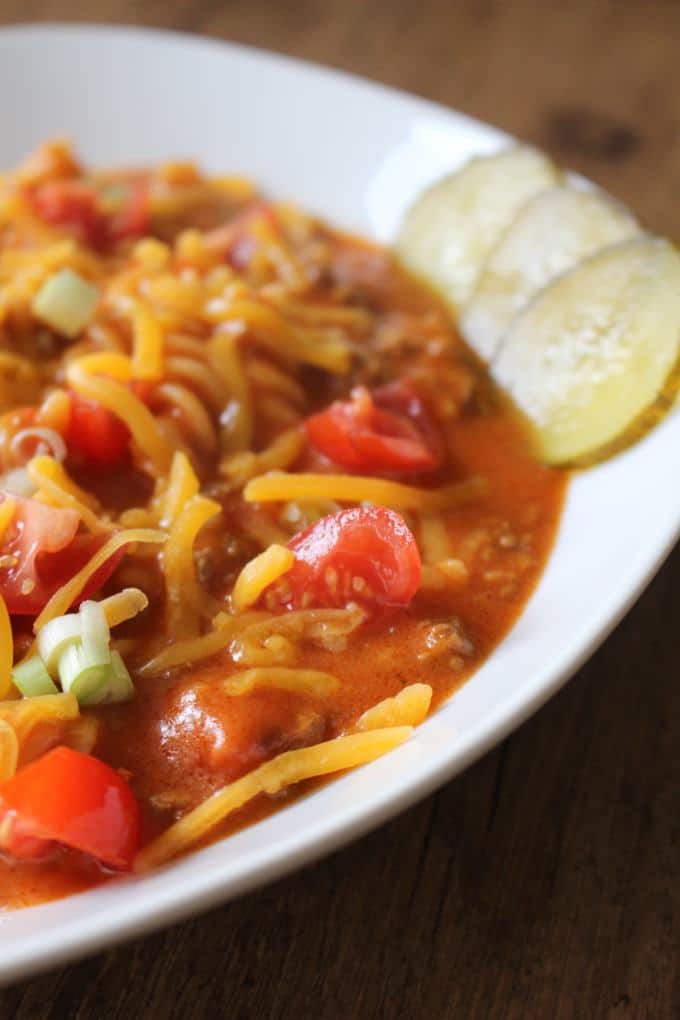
column 32, row 679
column 65, row 302
column 95, row 684
column 55, row 637
column 118, row 686
column 95, row 632
column 80, row 676
column 76, row 648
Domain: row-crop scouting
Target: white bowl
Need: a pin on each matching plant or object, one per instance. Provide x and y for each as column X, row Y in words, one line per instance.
column 356, row 153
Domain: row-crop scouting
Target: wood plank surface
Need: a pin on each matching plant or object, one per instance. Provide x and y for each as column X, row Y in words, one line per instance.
column 545, row 882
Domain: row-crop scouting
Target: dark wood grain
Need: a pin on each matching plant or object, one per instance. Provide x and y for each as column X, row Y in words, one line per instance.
column 545, row 882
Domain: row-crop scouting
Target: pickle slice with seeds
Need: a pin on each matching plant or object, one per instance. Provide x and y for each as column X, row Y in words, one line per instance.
column 550, row 234
column 593, row 359
column 448, row 233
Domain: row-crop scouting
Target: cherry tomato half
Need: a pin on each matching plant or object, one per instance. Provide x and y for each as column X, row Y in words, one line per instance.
column 387, row 431
column 41, row 550
column 366, row 555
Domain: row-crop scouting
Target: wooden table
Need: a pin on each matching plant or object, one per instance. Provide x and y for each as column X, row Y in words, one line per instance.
column 545, row 882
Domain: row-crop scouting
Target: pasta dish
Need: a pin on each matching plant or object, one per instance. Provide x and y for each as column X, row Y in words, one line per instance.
column 261, row 509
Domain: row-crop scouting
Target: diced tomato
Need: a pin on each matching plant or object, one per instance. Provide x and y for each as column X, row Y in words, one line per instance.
column 387, row 431
column 71, row 204
column 40, row 551
column 133, row 219
column 73, row 799
column 75, row 206
column 366, row 555
column 402, row 398
column 95, row 434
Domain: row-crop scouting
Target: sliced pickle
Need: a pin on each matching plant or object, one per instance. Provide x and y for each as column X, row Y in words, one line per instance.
column 551, row 233
column 593, row 361
column 447, row 234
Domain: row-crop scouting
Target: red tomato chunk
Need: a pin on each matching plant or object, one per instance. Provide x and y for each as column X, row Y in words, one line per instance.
column 76, row 206
column 365, row 555
column 40, row 551
column 388, row 430
column 73, row 799
column 95, row 434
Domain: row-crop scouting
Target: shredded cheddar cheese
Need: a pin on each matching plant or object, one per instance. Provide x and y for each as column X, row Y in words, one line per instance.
column 407, row 708
column 55, row 411
column 182, row 486
column 6, row 650
column 56, row 488
column 280, row 454
column 69, row 592
column 124, row 605
column 192, row 650
column 147, row 358
column 435, row 543
column 258, row 574
column 25, row 713
column 187, row 408
column 237, row 422
column 297, row 343
column 109, row 363
column 7, row 511
column 287, row 769
column 42, row 721
column 279, row 487
column 184, row 596
column 302, row 681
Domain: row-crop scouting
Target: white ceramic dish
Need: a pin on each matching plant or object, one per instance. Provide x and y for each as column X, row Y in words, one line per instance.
column 356, row 153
